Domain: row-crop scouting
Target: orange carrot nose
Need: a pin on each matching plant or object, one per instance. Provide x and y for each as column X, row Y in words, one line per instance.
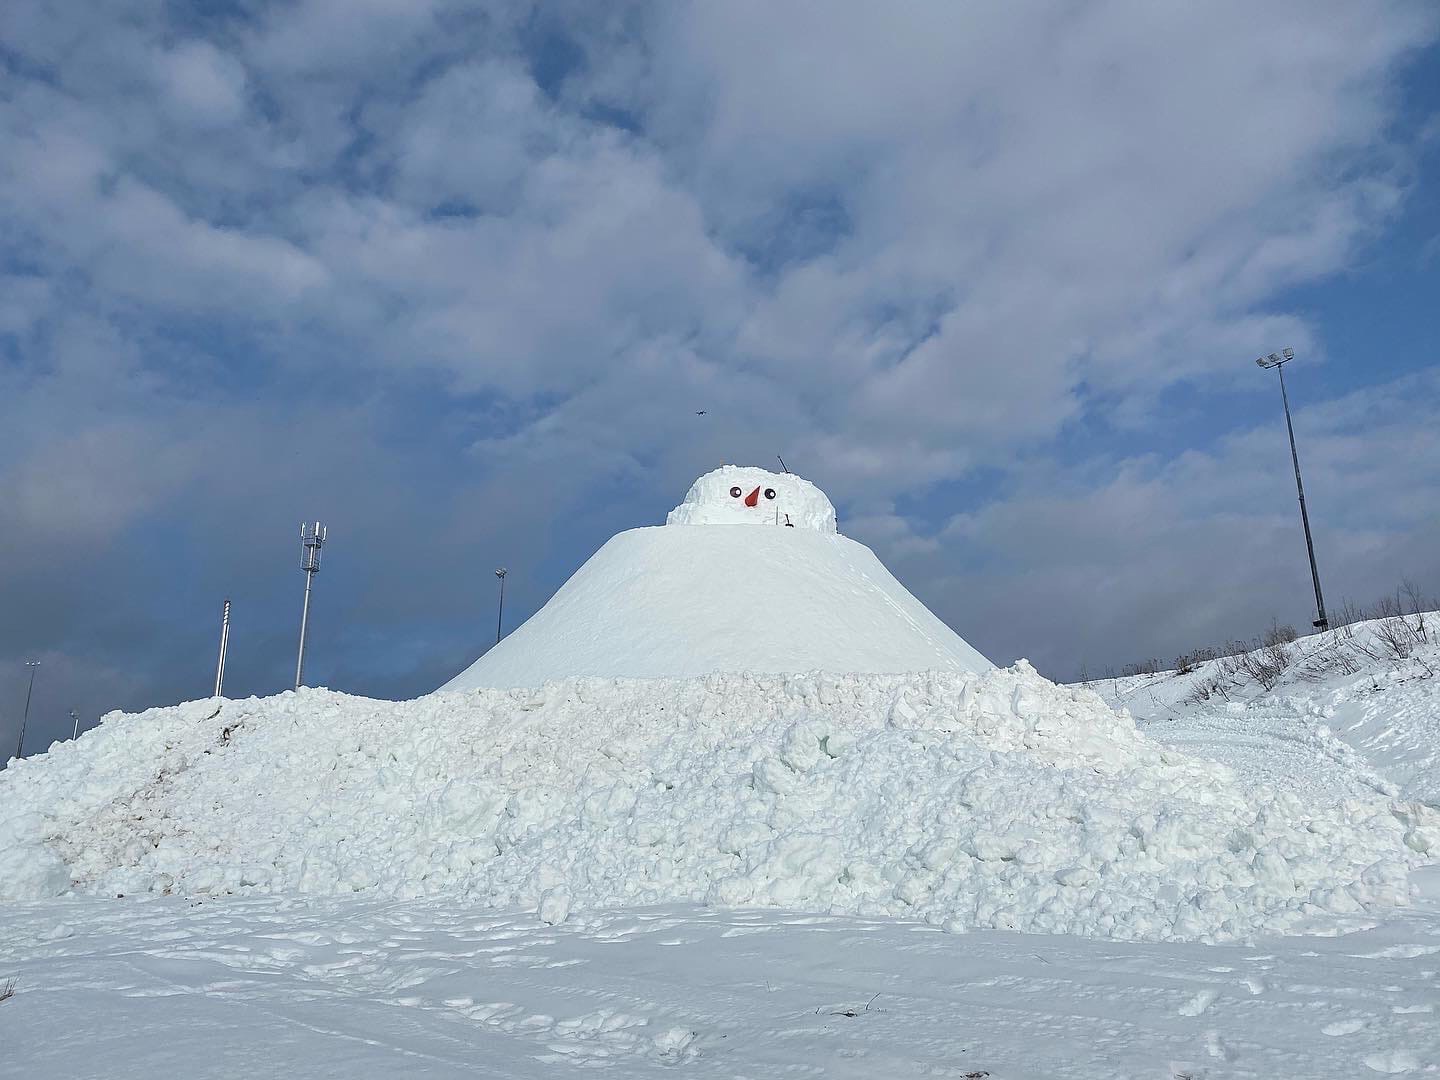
column 753, row 498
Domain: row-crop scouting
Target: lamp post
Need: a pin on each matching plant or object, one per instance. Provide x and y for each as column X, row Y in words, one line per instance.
column 33, row 665
column 1278, row 362
column 500, row 615
column 75, row 730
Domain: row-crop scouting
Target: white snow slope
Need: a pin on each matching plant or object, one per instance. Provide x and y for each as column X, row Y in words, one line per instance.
column 1347, row 712
column 723, row 587
column 992, row 800
column 682, row 600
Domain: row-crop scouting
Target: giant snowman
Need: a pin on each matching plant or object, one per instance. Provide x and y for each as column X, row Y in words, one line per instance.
column 748, row 573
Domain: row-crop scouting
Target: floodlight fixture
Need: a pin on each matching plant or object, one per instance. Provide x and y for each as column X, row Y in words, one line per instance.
column 1278, row 361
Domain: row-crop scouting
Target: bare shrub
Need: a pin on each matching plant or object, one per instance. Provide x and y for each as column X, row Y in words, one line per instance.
column 1349, row 614
column 1397, row 631
column 1418, row 604
column 1216, row 684
column 1265, row 662
column 1144, row 667
column 1335, row 658
column 1343, row 621
column 1188, row 662
column 1397, row 637
column 1278, row 634
column 7, row 990
column 1413, row 598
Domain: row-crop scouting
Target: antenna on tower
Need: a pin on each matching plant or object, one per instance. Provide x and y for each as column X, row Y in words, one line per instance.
column 312, row 539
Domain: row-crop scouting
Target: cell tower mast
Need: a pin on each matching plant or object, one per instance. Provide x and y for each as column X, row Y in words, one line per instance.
column 312, row 539
column 224, row 645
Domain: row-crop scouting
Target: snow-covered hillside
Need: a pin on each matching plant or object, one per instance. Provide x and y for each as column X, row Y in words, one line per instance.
column 996, row 800
column 1353, row 709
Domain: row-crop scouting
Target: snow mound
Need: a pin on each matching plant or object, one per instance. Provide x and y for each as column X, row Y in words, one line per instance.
column 967, row 800
column 743, row 495
column 676, row 601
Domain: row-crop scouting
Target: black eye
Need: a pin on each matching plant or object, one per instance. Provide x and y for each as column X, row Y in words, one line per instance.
column 734, row 493
column 769, row 493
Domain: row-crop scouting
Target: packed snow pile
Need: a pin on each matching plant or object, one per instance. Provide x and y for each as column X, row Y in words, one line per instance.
column 671, row 602
column 725, row 585
column 967, row 800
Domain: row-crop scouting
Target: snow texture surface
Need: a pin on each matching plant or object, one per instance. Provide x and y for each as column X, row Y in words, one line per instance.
column 679, row 600
column 994, row 800
column 364, row 988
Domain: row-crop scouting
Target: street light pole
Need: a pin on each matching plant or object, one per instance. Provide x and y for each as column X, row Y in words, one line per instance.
column 1278, row 362
column 500, row 615
column 25, row 720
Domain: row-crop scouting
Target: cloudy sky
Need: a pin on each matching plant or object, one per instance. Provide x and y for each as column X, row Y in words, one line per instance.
column 455, row 278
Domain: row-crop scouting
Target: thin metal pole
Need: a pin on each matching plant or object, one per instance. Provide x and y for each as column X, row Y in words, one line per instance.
column 304, row 625
column 500, row 615
column 1322, row 623
column 33, row 665
column 74, row 731
column 312, row 539
column 224, row 643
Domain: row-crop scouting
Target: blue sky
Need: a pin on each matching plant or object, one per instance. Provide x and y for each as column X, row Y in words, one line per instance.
column 456, row 277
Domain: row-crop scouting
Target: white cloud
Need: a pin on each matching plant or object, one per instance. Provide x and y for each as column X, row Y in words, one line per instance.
column 206, row 84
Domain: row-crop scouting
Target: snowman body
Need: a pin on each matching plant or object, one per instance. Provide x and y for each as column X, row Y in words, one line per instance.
column 700, row 595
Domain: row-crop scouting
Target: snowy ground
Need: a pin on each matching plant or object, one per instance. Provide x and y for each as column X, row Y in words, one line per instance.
column 369, row 986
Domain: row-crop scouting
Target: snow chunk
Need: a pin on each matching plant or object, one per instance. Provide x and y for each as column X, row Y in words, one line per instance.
column 28, row 869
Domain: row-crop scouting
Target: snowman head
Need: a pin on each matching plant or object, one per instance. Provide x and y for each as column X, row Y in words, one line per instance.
column 741, row 495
